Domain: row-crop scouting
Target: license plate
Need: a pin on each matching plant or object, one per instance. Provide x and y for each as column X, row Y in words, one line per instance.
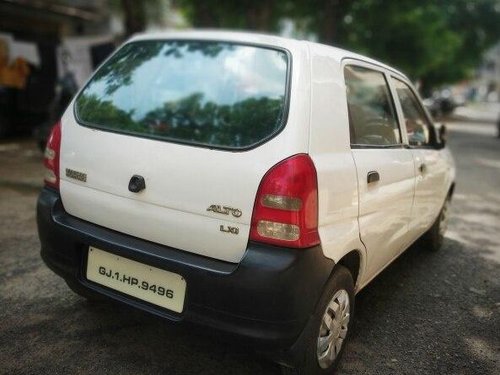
column 150, row 284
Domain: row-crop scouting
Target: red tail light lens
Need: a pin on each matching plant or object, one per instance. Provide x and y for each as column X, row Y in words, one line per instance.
column 51, row 157
column 286, row 206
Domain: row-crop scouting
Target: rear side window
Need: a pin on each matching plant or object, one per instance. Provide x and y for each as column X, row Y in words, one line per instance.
column 212, row 94
column 372, row 117
column 417, row 126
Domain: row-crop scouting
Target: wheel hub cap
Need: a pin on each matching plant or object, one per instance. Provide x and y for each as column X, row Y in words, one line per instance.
column 333, row 329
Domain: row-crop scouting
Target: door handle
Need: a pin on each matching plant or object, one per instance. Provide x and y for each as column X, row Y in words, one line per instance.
column 422, row 168
column 372, row 176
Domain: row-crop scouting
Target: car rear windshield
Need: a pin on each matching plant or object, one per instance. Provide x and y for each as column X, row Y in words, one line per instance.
column 213, row 94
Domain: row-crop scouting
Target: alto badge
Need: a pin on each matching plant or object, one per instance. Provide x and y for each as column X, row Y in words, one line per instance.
column 225, row 210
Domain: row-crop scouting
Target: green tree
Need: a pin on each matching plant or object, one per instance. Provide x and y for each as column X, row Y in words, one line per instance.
column 477, row 25
column 262, row 15
column 137, row 13
column 118, row 71
column 414, row 37
column 436, row 41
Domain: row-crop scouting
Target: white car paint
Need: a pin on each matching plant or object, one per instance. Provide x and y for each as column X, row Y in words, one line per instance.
column 377, row 221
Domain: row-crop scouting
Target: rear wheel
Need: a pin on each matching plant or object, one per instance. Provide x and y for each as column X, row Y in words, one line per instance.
column 320, row 348
column 434, row 237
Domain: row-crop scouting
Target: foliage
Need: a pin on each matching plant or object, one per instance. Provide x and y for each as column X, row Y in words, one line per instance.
column 262, row 15
column 415, row 37
column 136, row 13
column 436, row 41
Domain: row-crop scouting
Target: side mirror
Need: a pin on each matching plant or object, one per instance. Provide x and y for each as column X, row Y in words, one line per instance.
column 443, row 135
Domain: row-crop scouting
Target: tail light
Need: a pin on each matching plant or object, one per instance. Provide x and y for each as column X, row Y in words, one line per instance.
column 51, row 157
column 286, row 207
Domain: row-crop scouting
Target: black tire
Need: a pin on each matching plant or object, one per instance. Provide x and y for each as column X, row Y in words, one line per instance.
column 305, row 350
column 432, row 240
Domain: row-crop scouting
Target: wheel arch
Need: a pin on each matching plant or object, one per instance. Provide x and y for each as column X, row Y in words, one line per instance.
column 451, row 190
column 354, row 262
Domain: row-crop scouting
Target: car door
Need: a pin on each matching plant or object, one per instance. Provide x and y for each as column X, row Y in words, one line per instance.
column 430, row 166
column 385, row 167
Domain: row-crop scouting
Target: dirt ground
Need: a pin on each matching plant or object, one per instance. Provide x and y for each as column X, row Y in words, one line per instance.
column 425, row 314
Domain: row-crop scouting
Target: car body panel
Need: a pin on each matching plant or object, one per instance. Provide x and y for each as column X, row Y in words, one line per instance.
column 330, row 151
column 431, row 188
column 384, row 206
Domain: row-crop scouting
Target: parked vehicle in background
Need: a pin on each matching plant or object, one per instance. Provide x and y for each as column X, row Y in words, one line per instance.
column 248, row 183
column 443, row 103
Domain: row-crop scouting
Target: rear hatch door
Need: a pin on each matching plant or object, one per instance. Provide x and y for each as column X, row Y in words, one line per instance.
column 189, row 117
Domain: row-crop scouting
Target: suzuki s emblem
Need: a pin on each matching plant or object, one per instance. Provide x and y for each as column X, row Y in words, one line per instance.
column 225, row 210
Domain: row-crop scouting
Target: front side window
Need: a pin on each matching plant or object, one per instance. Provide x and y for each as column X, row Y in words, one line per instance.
column 205, row 93
column 372, row 117
column 417, row 126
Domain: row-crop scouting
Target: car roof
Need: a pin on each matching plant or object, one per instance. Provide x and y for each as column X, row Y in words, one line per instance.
column 336, row 53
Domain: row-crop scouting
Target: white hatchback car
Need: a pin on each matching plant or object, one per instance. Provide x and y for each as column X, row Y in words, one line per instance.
column 249, row 183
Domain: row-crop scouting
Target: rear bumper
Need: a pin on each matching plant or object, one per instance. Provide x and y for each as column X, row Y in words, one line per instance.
column 268, row 297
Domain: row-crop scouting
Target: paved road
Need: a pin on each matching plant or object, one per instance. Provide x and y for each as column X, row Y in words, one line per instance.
column 426, row 314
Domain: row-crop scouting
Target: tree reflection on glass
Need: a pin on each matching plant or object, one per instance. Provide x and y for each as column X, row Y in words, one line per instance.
column 119, row 69
column 190, row 119
column 97, row 111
